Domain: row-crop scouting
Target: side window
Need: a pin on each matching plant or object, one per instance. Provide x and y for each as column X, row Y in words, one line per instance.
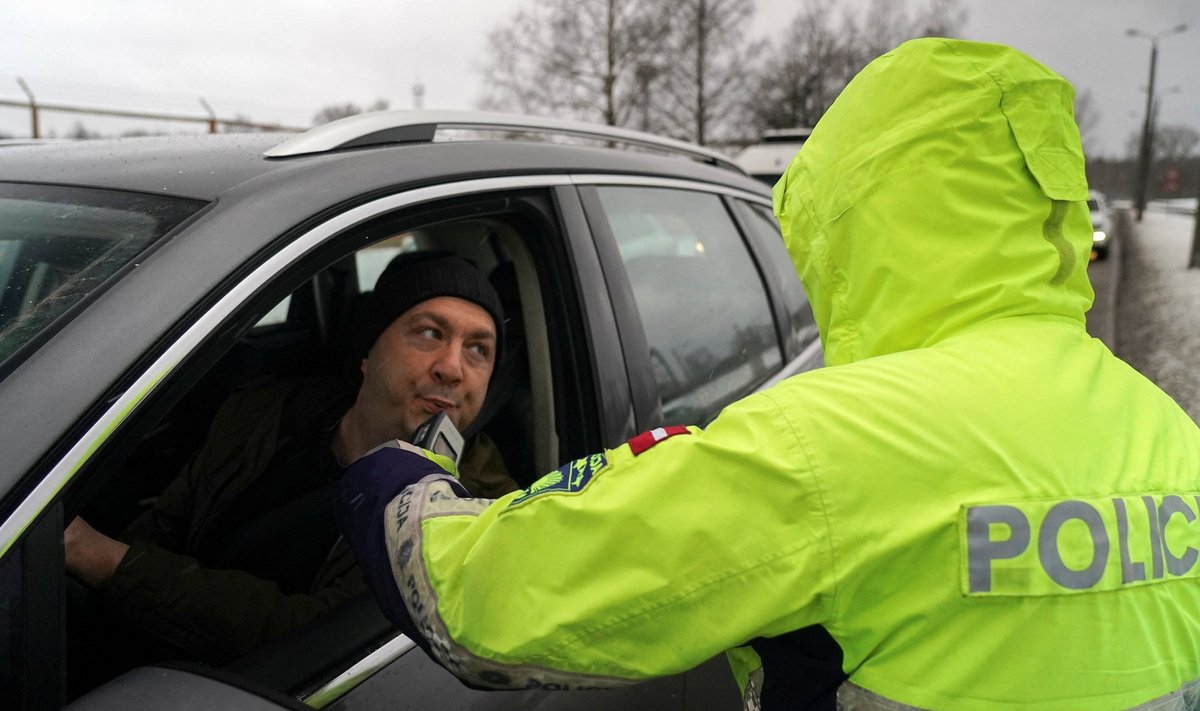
column 708, row 322
column 779, row 269
column 251, row 442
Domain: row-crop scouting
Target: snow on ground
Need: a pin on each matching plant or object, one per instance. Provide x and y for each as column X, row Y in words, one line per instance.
column 1158, row 302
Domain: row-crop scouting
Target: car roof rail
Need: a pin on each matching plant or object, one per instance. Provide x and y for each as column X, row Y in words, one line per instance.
column 390, row 127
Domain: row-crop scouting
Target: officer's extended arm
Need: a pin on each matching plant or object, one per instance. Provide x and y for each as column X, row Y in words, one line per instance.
column 383, row 499
column 366, row 488
column 640, row 561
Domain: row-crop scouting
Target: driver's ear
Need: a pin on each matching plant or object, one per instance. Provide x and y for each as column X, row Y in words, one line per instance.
column 363, row 367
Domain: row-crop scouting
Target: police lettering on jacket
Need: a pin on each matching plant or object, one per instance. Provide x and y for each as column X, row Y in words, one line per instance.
column 1054, row 547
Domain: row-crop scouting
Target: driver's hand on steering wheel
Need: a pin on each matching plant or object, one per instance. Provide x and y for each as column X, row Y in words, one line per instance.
column 91, row 555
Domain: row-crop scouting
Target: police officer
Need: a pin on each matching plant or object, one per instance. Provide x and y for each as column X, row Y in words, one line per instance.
column 975, row 504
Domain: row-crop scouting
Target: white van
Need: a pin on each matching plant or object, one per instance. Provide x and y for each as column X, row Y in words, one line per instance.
column 769, row 158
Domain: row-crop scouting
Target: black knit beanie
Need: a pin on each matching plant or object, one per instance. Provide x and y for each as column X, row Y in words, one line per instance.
column 413, row 277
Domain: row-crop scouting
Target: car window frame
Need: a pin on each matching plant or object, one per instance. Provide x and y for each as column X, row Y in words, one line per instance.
column 232, row 312
column 379, row 650
column 794, row 345
column 41, row 615
column 223, row 315
column 647, row 405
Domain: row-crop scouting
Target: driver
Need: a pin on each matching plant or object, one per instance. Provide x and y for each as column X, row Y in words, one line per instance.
column 240, row 548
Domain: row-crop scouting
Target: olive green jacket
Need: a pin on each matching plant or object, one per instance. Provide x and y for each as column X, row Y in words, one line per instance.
column 220, row 614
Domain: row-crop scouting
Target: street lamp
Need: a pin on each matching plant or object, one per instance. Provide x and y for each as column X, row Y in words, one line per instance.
column 1147, row 128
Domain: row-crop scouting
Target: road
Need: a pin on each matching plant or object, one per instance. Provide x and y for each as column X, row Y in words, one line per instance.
column 1157, row 316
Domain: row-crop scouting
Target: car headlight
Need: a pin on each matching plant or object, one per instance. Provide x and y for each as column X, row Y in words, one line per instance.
column 1099, row 236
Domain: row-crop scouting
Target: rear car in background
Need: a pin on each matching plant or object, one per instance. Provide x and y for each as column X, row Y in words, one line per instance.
column 1102, row 223
column 143, row 280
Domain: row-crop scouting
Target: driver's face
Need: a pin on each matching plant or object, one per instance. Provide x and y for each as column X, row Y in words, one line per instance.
column 436, row 357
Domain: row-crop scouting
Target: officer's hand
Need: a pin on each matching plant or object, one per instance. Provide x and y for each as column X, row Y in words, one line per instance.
column 366, row 488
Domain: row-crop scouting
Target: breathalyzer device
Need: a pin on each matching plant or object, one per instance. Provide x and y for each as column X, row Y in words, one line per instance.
column 439, row 435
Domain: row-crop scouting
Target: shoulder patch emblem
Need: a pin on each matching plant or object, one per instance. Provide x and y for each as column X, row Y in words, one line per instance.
column 646, row 440
column 570, row 478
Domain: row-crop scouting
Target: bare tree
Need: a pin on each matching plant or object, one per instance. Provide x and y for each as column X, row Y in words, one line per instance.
column 685, row 67
column 1175, row 142
column 588, row 59
column 515, row 56
column 78, row 130
column 885, row 24
column 707, row 82
column 1087, row 117
column 1172, row 142
column 819, row 53
column 241, row 123
column 333, row 112
column 940, row 18
column 803, row 74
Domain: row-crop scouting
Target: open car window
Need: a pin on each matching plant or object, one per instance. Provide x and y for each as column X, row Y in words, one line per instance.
column 304, row 334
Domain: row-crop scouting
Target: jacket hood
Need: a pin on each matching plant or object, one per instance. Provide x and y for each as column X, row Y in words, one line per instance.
column 944, row 188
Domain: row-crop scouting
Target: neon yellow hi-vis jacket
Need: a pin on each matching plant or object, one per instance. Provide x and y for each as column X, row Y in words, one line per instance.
column 981, row 505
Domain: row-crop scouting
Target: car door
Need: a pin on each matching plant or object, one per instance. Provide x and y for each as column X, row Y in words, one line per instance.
column 280, row 305
column 708, row 310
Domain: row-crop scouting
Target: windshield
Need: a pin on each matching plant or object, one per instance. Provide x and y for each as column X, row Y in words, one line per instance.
column 60, row 245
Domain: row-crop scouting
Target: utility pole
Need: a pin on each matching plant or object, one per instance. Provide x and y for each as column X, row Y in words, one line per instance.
column 1147, row 147
column 1194, row 261
column 645, row 73
column 1145, row 154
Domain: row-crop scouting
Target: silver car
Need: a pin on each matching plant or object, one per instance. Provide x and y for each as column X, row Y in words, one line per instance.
column 1102, row 223
column 142, row 280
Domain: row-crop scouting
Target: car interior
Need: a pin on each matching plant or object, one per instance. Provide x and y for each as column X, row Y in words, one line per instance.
column 306, row 333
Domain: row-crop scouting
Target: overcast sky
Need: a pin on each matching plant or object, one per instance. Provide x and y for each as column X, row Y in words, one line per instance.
column 282, row 60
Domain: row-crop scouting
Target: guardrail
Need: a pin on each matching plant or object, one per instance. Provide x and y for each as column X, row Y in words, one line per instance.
column 212, row 121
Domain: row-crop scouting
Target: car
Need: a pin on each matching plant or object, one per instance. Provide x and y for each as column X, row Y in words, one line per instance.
column 767, row 160
column 143, row 280
column 1102, row 223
